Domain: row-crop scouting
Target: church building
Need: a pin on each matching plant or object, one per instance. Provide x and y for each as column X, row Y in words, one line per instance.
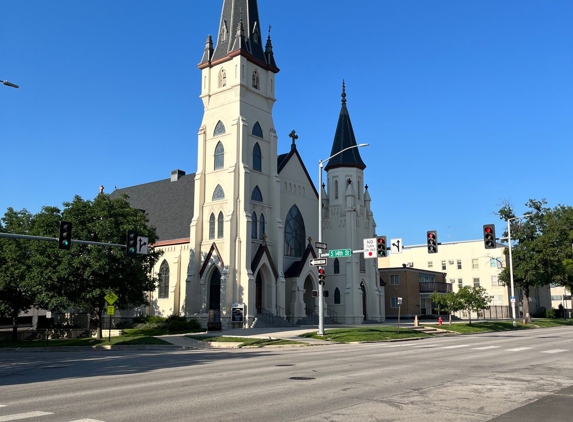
column 238, row 234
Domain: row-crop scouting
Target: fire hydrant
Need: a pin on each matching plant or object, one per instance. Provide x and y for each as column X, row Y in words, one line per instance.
column 440, row 320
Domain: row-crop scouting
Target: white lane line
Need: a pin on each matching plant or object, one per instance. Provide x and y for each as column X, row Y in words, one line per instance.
column 485, row 348
column 86, row 420
column 518, row 349
column 455, row 347
column 554, row 351
column 3, row 405
column 18, row 416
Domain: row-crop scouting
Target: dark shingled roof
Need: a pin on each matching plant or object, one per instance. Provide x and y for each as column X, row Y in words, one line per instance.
column 167, row 204
column 240, row 22
column 344, row 138
column 297, row 267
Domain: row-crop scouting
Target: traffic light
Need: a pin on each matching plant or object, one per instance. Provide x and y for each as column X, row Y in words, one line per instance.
column 381, row 246
column 489, row 236
column 432, row 241
column 65, row 238
column 321, row 276
column 131, row 243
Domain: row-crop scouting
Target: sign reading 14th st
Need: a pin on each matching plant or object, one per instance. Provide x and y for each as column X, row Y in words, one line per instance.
column 339, row 253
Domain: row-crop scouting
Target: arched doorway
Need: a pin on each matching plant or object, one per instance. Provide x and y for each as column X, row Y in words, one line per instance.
column 363, row 288
column 309, row 300
column 259, row 293
column 215, row 290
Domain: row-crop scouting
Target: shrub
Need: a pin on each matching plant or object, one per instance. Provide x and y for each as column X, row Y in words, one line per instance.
column 181, row 324
column 550, row 313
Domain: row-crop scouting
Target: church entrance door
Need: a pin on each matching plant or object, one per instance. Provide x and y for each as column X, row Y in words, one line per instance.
column 259, row 293
column 215, row 291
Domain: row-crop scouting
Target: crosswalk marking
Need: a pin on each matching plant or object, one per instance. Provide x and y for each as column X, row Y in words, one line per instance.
column 18, row 416
column 455, row 347
column 485, row 347
column 554, row 351
column 518, row 349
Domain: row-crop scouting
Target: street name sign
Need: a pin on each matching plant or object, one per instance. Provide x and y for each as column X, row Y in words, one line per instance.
column 370, row 248
column 318, row 261
column 320, row 245
column 339, row 253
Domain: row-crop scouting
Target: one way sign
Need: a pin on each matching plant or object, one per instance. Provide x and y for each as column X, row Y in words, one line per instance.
column 396, row 245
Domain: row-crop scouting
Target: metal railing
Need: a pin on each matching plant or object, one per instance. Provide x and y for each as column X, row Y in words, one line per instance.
column 435, row 287
column 332, row 315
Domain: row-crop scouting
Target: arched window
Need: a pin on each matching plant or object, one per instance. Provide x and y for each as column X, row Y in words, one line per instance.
column 163, row 280
column 359, row 188
column 336, row 266
column 212, row 226
column 336, row 189
column 261, row 226
column 219, row 129
column 257, row 130
column 257, row 195
column 254, row 225
column 255, row 79
column 295, row 233
column 218, row 193
column 362, row 263
column 257, row 159
column 222, row 78
column 219, row 156
column 337, row 296
column 220, row 225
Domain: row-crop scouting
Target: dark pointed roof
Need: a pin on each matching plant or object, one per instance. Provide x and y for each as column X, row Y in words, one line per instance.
column 240, row 33
column 344, row 138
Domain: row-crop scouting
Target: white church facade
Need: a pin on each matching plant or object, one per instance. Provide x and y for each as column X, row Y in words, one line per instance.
column 239, row 233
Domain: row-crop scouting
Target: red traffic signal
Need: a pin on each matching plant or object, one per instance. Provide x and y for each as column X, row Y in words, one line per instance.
column 489, row 236
column 432, row 241
column 381, row 248
column 321, row 276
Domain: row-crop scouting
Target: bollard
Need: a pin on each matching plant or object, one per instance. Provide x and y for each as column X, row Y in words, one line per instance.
column 416, row 321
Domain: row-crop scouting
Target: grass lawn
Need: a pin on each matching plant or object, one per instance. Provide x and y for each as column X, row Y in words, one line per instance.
column 490, row 326
column 131, row 336
column 247, row 341
column 349, row 335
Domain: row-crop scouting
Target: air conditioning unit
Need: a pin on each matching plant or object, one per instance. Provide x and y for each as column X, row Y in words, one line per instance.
column 410, row 264
column 451, row 262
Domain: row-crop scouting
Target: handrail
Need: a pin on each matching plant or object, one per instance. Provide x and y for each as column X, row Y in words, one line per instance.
column 332, row 314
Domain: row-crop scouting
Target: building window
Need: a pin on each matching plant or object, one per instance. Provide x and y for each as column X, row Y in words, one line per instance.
column 475, row 264
column 495, row 263
column 393, row 302
column 335, row 189
column 261, row 226
column 257, row 159
column 556, row 297
column 222, row 78
column 254, row 225
column 443, row 265
column 218, row 193
column 255, row 79
column 336, row 266
column 220, row 225
column 163, row 280
column 495, row 281
column 257, row 195
column 394, row 279
column 219, row 129
column 219, row 156
column 459, row 264
column 430, row 264
column 362, row 263
column 337, row 296
column 476, row 282
column 295, row 233
column 212, row 226
column 257, row 130
column 460, row 283
column 359, row 189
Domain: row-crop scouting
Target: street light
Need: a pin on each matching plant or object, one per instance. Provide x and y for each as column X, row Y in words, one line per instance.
column 320, row 286
column 511, row 266
column 10, row 84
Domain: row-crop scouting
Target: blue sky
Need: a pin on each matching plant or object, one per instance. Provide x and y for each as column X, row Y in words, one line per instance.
column 465, row 104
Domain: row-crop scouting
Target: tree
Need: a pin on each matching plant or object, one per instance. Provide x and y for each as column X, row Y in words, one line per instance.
column 473, row 299
column 16, row 293
column 541, row 248
column 448, row 302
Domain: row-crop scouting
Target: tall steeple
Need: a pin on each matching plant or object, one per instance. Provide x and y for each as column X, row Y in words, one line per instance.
column 240, row 34
column 344, row 138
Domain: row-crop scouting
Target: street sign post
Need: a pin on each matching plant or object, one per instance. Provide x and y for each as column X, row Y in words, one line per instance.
column 320, row 245
column 318, row 262
column 370, row 248
column 339, row 253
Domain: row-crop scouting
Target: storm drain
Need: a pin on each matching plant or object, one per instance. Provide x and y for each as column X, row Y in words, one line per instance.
column 301, row 378
column 286, row 364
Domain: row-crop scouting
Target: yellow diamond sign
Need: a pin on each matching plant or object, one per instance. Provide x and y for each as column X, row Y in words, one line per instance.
column 110, row 298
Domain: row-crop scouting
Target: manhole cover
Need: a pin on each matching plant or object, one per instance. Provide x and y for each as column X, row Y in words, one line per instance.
column 301, row 378
column 285, row 364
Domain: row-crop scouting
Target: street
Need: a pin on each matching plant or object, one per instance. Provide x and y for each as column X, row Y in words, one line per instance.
column 505, row 376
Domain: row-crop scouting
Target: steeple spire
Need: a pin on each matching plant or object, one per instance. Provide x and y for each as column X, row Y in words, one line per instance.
column 240, row 33
column 344, row 138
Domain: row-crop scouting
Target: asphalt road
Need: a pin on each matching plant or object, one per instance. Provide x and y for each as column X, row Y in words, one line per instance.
column 519, row 376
